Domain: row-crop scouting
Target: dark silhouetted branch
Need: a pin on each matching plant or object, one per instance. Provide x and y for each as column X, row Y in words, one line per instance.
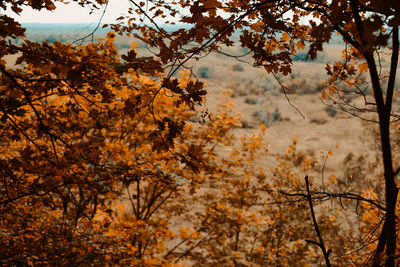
column 321, row 242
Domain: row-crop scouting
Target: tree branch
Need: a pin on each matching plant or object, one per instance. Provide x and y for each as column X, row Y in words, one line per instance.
column 321, row 242
column 393, row 68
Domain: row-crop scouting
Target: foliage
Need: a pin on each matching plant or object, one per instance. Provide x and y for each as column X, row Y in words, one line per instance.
column 87, row 133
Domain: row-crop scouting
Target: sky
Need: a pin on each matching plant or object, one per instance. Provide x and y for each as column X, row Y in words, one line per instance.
column 72, row 13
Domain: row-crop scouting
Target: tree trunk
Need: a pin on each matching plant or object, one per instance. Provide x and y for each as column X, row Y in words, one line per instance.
column 388, row 233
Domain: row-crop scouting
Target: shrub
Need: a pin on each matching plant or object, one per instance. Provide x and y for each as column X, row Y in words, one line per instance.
column 331, row 111
column 250, row 101
column 204, row 72
column 318, row 120
column 237, row 67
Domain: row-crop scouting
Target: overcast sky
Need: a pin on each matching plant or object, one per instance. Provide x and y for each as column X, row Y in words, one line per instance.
column 72, row 13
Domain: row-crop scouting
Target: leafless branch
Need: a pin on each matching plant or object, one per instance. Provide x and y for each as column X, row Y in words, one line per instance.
column 321, row 242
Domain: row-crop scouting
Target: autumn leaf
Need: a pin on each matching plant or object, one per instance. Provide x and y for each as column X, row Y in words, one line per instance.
column 324, row 95
column 285, row 37
column 332, row 178
column 363, row 67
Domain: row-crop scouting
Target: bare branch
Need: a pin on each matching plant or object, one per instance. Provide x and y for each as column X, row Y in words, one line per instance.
column 321, row 242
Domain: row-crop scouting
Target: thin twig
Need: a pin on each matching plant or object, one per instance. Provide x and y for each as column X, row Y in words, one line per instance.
column 286, row 96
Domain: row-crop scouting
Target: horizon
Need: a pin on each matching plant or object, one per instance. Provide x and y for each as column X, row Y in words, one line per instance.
column 62, row 13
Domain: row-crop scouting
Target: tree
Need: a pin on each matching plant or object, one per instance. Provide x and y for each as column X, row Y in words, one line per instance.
column 67, row 114
column 76, row 147
column 63, row 108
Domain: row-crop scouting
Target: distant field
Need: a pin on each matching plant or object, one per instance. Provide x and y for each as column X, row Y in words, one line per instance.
column 70, row 32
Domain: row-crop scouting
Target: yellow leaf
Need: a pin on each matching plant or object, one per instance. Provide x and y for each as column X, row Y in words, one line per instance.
column 263, row 128
column 184, row 232
column 134, row 45
column 195, row 235
column 330, row 152
column 323, row 95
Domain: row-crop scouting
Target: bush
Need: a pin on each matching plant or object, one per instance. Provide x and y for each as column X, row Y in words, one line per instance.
column 204, row 72
column 250, row 101
column 237, row 67
column 331, row 111
column 266, row 117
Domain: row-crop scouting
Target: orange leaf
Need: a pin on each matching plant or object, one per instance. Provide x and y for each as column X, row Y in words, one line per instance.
column 332, row 178
column 363, row 67
column 285, row 37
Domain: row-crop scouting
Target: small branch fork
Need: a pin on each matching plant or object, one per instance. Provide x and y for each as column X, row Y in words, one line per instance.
column 321, row 242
